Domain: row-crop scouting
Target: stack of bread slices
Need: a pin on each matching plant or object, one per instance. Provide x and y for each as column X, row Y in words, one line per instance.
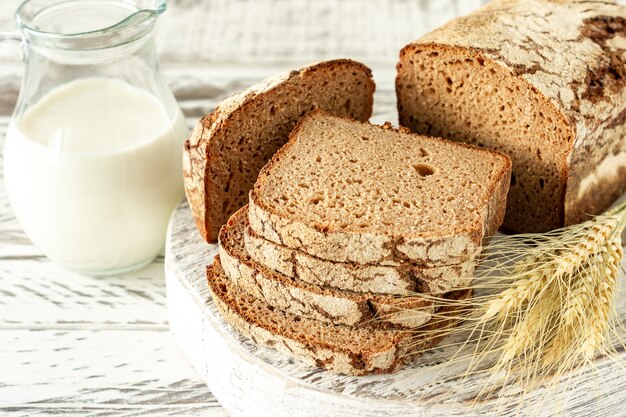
column 347, row 227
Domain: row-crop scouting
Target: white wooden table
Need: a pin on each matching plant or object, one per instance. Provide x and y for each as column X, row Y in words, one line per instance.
column 77, row 345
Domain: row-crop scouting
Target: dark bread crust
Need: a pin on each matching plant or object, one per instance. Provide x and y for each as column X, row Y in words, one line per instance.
column 195, row 167
column 209, row 162
column 377, row 279
column 592, row 204
column 269, row 224
column 319, row 302
column 337, row 348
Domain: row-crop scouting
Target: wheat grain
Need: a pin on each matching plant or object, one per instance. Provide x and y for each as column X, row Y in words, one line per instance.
column 545, row 304
column 596, row 333
column 550, row 269
column 513, row 298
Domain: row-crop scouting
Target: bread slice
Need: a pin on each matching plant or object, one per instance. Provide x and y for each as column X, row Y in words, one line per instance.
column 337, row 348
column 317, row 302
column 347, row 191
column 542, row 81
column 380, row 279
column 228, row 147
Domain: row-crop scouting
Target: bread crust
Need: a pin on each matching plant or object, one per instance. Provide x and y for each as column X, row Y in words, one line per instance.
column 461, row 245
column 380, row 279
column 304, row 299
column 201, row 155
column 572, row 56
column 387, row 351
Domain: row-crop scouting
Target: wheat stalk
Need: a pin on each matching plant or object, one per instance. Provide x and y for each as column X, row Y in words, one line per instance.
column 544, row 304
column 595, row 336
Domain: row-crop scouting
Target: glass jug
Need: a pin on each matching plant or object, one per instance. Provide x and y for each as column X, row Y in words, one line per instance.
column 93, row 154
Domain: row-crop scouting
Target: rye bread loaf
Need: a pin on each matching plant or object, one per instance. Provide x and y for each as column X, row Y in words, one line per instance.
column 348, row 191
column 337, row 348
column 542, row 81
column 316, row 302
column 402, row 280
column 228, row 147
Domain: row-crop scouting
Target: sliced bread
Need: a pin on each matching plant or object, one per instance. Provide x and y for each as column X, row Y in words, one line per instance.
column 304, row 299
column 337, row 348
column 381, row 279
column 228, row 147
column 543, row 81
column 348, row 191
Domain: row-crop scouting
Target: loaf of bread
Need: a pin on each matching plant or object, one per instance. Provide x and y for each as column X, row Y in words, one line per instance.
column 347, row 191
column 543, row 81
column 228, row 147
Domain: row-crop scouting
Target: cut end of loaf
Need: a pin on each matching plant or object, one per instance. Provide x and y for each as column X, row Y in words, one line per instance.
column 461, row 94
column 229, row 147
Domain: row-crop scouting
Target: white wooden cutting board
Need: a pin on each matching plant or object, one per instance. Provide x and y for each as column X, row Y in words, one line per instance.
column 250, row 380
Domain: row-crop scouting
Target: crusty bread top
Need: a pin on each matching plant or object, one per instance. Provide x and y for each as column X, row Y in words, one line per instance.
column 551, row 44
column 228, row 147
column 341, row 175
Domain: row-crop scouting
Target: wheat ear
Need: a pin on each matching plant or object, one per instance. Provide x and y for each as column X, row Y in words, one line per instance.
column 544, row 304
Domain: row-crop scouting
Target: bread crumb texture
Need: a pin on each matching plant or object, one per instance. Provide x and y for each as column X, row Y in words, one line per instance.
column 542, row 81
column 228, row 147
column 344, row 190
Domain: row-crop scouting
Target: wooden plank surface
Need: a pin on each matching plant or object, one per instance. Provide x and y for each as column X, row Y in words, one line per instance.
column 251, row 39
column 128, row 371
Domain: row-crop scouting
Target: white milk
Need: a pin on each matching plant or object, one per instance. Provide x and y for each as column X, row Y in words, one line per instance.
column 93, row 171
